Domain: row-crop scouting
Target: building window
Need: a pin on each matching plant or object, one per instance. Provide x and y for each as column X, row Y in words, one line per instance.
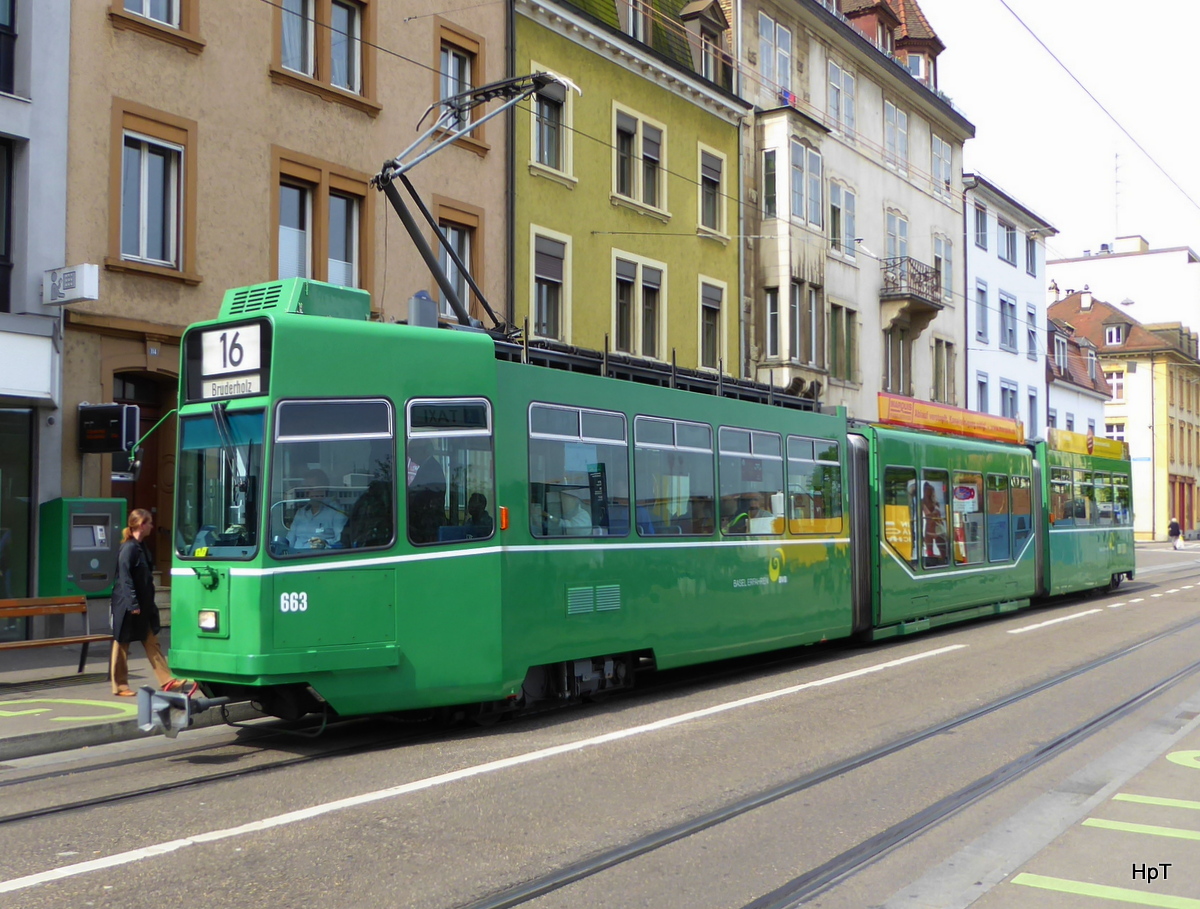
column 8, row 44
column 807, row 183
column 322, row 212
column 461, row 67
column 981, row 392
column 1070, row 427
column 1031, row 255
column 636, row 306
column 710, row 325
column 770, row 187
column 1008, row 400
column 981, row 231
column 815, row 189
column 897, row 235
column 841, row 219
column 1031, row 332
column 942, row 174
column 297, row 44
column 549, row 260
column 636, row 19
column 164, row 11
column 1091, row 364
column 1052, row 419
column 548, row 132
column 897, row 352
column 1008, row 323
column 710, row 55
column 981, row 312
column 712, row 192
column 460, row 238
column 772, row 310
column 804, row 320
column 1032, row 428
column 455, row 69
column 943, row 254
column 1006, row 236
column 152, row 226
column 943, row 371
column 841, row 98
column 327, row 47
column 1116, row 381
column 295, row 231
column 1114, row 334
column 842, row 342
column 1092, row 428
column 1115, row 431
column 775, row 53
column 6, row 261
column 1060, row 353
column 895, row 136
column 639, row 160
column 150, row 201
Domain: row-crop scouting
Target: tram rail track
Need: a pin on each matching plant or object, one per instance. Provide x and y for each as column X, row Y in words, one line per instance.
column 832, row 872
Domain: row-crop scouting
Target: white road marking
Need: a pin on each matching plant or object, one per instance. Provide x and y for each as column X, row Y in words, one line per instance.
column 1066, row 618
column 1174, row 590
column 1138, row 600
column 1188, row 586
column 1115, row 605
column 1155, row 595
column 304, row 814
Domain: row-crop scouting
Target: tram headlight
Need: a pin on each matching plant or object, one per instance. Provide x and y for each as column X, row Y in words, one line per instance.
column 209, row 620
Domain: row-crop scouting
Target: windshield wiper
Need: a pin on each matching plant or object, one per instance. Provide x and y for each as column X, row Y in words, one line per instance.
column 232, row 460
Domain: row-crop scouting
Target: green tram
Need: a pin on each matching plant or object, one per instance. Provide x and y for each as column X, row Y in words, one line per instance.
column 383, row 517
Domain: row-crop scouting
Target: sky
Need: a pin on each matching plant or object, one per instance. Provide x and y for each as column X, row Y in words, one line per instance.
column 1040, row 138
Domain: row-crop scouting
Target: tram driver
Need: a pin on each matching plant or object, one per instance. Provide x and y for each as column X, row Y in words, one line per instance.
column 316, row 524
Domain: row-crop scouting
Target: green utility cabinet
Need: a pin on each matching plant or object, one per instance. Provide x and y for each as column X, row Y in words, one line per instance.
column 78, row 546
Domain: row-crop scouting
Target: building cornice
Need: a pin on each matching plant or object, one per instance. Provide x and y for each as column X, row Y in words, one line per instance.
column 639, row 60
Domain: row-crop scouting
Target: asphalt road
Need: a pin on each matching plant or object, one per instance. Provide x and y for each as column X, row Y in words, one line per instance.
column 455, row 818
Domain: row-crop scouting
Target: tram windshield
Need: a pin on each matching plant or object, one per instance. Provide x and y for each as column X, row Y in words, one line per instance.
column 220, row 473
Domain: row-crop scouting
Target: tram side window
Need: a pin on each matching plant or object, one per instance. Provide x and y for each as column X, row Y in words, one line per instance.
column 751, row 468
column 1022, row 512
column 578, row 472
column 998, row 526
column 1102, row 483
column 814, row 486
column 332, row 476
column 1084, row 504
column 1062, row 511
column 1122, row 500
column 450, row 470
column 675, row 486
column 967, row 518
column 900, row 512
column 935, row 543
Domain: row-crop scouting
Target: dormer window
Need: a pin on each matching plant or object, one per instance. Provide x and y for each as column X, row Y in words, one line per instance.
column 884, row 37
column 1114, row 334
column 917, row 66
column 1060, row 353
column 1091, row 364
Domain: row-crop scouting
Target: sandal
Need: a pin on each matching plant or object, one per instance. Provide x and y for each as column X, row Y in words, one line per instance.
column 126, row 693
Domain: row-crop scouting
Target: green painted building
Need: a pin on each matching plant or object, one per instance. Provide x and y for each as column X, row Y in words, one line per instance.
column 626, row 215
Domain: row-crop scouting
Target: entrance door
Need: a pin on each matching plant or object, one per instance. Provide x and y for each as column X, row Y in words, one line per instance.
column 154, row 487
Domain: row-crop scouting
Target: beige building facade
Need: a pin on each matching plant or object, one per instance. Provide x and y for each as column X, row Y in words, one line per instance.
column 209, row 151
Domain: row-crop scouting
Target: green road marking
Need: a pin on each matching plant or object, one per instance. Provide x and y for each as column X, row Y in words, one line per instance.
column 1185, row 758
column 110, row 710
column 1175, row 832
column 1119, row 894
column 1156, row 800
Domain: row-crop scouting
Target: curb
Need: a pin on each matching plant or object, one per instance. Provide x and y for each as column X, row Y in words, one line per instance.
column 56, row 740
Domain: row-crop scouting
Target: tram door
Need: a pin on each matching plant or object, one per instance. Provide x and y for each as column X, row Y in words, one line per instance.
column 153, row 488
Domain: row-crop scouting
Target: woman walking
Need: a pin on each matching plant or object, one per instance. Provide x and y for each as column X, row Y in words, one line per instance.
column 1174, row 534
column 134, row 614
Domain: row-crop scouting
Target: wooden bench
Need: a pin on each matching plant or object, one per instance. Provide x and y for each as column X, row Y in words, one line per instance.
column 34, row 606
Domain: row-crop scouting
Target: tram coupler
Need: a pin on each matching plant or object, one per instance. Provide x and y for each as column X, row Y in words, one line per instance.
column 170, row 712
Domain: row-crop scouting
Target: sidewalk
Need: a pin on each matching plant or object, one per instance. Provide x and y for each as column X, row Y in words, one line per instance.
column 47, row 706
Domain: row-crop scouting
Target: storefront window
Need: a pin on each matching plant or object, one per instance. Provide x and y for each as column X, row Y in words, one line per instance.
column 16, row 471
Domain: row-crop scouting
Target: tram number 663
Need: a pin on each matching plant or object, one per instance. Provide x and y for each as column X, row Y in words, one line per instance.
column 293, row 602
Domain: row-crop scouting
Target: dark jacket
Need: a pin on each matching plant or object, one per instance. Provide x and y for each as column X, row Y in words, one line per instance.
column 1173, row 529
column 134, row 589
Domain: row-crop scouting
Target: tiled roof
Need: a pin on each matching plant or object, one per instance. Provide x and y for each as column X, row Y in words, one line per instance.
column 913, row 23
column 1076, row 372
column 852, row 8
column 1090, row 323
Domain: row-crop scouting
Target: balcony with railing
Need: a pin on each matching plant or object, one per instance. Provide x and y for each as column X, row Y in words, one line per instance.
column 911, row 293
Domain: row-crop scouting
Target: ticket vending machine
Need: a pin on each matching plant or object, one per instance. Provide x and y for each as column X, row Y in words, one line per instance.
column 78, row 548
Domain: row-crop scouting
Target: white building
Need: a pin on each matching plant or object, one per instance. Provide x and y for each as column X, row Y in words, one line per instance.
column 1156, row 285
column 34, row 57
column 1006, row 305
column 1077, row 388
column 853, row 203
